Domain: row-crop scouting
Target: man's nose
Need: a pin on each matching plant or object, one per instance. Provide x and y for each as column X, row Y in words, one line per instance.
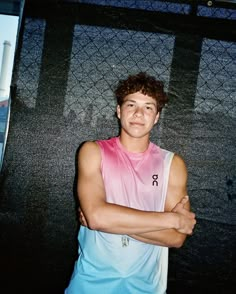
column 138, row 111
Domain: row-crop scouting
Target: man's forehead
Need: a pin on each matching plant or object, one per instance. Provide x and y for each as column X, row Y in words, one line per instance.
column 140, row 98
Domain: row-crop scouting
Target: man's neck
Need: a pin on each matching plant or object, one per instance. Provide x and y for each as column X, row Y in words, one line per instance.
column 135, row 145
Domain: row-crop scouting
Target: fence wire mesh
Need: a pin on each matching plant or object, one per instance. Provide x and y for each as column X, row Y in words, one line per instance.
column 26, row 75
column 205, row 8
column 216, row 12
column 101, row 56
column 64, row 96
column 152, row 5
column 216, row 91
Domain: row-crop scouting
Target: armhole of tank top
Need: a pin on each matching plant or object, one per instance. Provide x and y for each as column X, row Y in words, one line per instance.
column 101, row 152
column 168, row 160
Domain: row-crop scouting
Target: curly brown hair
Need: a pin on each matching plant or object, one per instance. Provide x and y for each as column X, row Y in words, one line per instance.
column 144, row 83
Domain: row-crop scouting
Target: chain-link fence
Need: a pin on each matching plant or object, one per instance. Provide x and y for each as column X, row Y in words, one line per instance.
column 164, row 6
column 216, row 89
column 218, row 9
column 101, row 56
column 65, row 75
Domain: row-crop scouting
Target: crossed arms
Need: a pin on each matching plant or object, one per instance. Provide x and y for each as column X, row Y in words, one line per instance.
column 168, row 228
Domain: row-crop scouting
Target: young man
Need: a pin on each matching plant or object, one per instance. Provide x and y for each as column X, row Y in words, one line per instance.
column 133, row 201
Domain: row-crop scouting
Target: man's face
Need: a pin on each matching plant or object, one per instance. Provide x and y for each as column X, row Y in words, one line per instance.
column 137, row 114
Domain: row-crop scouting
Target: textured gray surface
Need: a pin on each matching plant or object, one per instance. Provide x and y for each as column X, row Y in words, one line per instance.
column 38, row 222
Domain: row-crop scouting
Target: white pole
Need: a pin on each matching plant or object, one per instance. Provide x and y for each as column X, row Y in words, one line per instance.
column 4, row 69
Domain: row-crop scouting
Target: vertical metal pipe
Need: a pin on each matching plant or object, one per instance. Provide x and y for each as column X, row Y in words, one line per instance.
column 4, row 68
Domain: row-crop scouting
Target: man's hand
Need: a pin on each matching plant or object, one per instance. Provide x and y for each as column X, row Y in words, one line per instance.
column 187, row 219
column 181, row 204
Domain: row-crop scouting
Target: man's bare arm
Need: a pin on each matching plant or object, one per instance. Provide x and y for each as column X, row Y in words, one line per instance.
column 166, row 237
column 113, row 218
column 175, row 202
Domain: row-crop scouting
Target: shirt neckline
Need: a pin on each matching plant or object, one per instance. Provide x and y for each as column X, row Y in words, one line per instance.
column 133, row 155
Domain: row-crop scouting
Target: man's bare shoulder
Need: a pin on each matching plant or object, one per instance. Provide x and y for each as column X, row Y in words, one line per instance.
column 89, row 151
column 178, row 171
column 177, row 184
column 178, row 164
column 89, row 146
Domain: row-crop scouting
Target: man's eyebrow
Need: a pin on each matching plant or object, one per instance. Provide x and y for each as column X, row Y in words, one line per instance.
column 148, row 103
column 153, row 103
column 130, row 100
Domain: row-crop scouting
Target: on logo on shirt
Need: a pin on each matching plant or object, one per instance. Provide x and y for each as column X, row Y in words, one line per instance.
column 155, row 182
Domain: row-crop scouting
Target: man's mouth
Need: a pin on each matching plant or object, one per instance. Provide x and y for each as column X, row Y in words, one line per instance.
column 137, row 124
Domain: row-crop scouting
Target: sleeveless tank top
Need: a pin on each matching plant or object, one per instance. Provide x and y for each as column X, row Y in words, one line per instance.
column 117, row 264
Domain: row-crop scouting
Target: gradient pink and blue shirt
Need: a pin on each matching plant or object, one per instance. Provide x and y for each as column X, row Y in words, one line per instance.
column 117, row 264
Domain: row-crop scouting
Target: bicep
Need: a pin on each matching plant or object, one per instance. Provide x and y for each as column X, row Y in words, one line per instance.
column 91, row 192
column 177, row 184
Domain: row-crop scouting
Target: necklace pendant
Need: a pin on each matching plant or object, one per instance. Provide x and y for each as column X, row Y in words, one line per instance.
column 125, row 241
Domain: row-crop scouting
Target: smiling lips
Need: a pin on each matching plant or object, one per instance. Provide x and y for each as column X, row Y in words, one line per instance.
column 136, row 123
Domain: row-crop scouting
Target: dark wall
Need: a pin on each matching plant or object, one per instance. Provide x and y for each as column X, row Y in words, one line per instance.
column 68, row 62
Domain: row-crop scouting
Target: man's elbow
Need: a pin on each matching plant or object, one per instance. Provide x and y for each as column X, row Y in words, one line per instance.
column 95, row 222
column 178, row 241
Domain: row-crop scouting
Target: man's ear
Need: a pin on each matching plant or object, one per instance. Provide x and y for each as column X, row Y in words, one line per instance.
column 157, row 118
column 118, row 111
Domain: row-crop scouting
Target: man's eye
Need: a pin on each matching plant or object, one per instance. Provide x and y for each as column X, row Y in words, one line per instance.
column 130, row 105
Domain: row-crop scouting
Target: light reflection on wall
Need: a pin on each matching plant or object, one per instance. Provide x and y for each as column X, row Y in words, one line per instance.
column 8, row 36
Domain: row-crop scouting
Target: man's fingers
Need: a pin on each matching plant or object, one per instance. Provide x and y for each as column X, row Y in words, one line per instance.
column 82, row 221
column 81, row 216
column 180, row 205
column 184, row 200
